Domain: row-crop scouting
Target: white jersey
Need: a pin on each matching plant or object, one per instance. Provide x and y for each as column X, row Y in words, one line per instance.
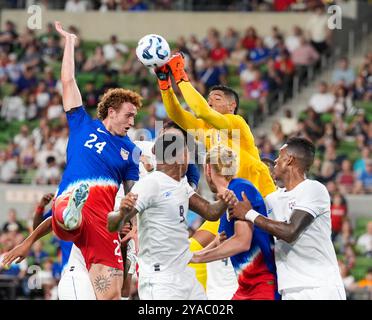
column 222, row 282
column 311, row 260
column 162, row 229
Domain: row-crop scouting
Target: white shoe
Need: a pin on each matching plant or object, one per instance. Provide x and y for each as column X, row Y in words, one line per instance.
column 72, row 213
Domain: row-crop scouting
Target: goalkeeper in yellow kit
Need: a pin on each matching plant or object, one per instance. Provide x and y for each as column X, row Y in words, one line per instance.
column 212, row 122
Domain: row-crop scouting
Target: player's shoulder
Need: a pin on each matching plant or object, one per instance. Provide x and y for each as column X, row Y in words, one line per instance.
column 240, row 184
column 274, row 195
column 235, row 118
column 151, row 181
column 313, row 185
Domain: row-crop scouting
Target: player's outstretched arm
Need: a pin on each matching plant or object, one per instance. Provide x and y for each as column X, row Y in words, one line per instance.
column 193, row 98
column 71, row 94
column 201, row 108
column 21, row 251
column 238, row 243
column 186, row 120
column 212, row 211
column 287, row 231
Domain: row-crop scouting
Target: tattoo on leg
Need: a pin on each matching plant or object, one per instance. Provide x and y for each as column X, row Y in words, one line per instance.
column 114, row 272
column 102, row 283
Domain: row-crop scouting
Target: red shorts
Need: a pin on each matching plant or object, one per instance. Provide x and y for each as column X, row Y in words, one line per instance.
column 97, row 244
column 258, row 288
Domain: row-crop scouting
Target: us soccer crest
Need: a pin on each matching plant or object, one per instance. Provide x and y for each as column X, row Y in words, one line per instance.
column 124, row 154
column 291, row 204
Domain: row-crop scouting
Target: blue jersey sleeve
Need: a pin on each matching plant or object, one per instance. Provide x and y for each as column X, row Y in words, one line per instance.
column 132, row 172
column 193, row 174
column 76, row 117
column 253, row 196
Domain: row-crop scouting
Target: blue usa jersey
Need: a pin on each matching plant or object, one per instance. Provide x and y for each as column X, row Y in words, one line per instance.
column 97, row 157
column 259, row 259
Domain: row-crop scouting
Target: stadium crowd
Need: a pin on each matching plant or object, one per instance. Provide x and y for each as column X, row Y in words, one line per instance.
column 262, row 69
column 78, row 6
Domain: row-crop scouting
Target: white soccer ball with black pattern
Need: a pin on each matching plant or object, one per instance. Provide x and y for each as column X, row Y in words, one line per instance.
column 153, row 51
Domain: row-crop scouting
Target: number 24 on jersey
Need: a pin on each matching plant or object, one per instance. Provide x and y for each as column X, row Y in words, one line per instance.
column 99, row 145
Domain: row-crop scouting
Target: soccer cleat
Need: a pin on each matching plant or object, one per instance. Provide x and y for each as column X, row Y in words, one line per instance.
column 72, row 213
column 163, row 74
column 177, row 66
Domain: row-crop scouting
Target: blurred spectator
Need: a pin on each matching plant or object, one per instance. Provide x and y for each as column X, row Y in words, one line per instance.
column 313, row 127
column 293, row 41
column 317, row 28
column 288, row 123
column 268, row 151
column 364, row 242
column 259, row 54
column 55, row 108
column 13, row 107
column 211, row 75
column 250, row 38
column 46, row 152
column 90, row 95
column 323, row 100
column 277, row 137
column 271, row 40
column 304, row 55
column 27, row 80
column 345, row 238
column 360, row 164
column 12, row 224
column 8, row 166
column 338, row 214
column 347, row 278
column 343, row 73
column 22, row 139
column 96, row 62
column 38, row 254
column 367, row 281
column 110, row 49
column 258, row 90
column 230, row 39
column 366, row 177
column 247, row 75
column 76, row 6
column 8, row 36
column 136, row 5
column 346, row 179
column 50, row 174
column 47, row 281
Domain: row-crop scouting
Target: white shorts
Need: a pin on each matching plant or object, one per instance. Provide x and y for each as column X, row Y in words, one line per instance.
column 75, row 283
column 181, row 285
column 316, row 293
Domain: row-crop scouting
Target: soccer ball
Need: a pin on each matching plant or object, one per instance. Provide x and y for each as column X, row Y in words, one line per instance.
column 153, row 51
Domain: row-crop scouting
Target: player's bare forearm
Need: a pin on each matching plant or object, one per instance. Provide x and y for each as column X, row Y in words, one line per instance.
column 289, row 232
column 209, row 211
column 21, row 251
column 114, row 221
column 42, row 230
column 128, row 185
column 227, row 249
column 38, row 219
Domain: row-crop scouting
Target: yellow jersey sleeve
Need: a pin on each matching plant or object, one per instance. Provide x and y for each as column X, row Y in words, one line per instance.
column 200, row 107
column 186, row 120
